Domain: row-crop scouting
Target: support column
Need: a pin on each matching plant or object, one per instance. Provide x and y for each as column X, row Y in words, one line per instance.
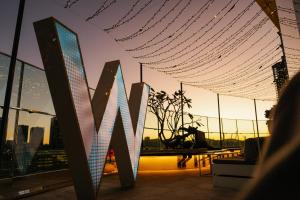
column 258, row 145
column 182, row 120
column 19, row 102
column 141, row 72
column 207, row 125
column 141, row 80
column 11, row 73
column 220, row 125
column 253, row 128
column 237, row 131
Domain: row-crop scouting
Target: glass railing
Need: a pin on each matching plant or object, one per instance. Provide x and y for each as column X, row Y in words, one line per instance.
column 34, row 143
column 233, row 131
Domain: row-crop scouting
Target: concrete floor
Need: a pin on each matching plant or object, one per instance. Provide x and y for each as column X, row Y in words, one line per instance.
column 167, row 185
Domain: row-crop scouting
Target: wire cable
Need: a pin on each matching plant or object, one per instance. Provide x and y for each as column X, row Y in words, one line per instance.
column 187, row 25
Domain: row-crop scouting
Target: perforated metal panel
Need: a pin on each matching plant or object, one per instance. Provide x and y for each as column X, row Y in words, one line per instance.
column 61, row 54
column 80, row 93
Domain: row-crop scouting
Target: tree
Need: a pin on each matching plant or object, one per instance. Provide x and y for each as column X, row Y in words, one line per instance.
column 167, row 109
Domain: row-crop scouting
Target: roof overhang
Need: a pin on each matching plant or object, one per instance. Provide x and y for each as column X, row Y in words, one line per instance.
column 270, row 8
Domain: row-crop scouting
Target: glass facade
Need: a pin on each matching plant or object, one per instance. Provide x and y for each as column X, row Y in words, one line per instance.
column 34, row 147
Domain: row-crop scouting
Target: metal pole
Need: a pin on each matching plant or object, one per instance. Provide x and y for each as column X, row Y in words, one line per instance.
column 19, row 102
column 258, row 145
column 207, row 127
column 141, row 72
column 236, row 127
column 237, row 131
column 10, row 78
column 223, row 134
column 182, row 120
column 253, row 128
column 220, row 126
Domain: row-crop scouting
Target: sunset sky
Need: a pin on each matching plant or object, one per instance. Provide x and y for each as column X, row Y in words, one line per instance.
column 98, row 47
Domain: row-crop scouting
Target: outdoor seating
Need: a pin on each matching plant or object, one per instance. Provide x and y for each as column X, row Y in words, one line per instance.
column 234, row 172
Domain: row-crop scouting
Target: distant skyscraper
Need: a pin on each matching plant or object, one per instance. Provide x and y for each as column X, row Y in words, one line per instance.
column 22, row 136
column 36, row 136
column 56, row 138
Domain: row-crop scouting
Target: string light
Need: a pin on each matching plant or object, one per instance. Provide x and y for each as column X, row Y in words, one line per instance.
column 220, row 52
column 242, row 68
column 70, row 3
column 172, row 57
column 294, row 49
column 219, row 55
column 163, row 30
column 243, row 74
column 102, row 8
column 216, row 48
column 195, row 17
column 252, row 83
column 123, row 19
column 241, row 80
column 244, row 77
column 203, row 70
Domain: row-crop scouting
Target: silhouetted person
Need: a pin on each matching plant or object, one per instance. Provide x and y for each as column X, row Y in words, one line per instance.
column 278, row 173
column 199, row 139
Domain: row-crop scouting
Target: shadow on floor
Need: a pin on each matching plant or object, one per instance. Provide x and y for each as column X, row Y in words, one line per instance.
column 185, row 185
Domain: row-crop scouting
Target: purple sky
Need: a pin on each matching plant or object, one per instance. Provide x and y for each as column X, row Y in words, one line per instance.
column 98, row 47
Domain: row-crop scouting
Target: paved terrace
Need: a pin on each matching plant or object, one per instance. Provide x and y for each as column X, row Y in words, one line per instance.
column 167, row 185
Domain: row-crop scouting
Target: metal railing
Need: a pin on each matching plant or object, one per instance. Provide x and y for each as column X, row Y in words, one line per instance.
column 32, row 113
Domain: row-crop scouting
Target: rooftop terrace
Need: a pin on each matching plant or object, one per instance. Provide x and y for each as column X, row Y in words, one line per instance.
column 177, row 184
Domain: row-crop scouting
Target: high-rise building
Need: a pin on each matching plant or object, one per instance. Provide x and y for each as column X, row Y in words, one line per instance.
column 56, row 138
column 36, row 137
column 22, row 136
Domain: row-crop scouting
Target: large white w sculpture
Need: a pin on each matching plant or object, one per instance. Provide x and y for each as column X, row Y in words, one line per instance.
column 89, row 127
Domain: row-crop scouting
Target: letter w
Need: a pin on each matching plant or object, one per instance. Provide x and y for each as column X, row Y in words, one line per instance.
column 89, row 127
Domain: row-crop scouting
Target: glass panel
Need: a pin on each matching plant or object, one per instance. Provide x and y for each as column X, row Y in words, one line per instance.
column 7, row 153
column 43, row 147
column 36, row 153
column 6, row 169
column 37, row 147
column 35, row 93
column 4, row 68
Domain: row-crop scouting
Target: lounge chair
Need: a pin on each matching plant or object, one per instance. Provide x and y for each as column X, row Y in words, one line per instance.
column 235, row 172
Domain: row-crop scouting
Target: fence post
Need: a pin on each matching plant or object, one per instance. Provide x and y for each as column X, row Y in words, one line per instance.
column 220, row 126
column 11, row 73
column 207, row 127
column 253, row 128
column 237, row 131
column 258, row 145
column 20, row 87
